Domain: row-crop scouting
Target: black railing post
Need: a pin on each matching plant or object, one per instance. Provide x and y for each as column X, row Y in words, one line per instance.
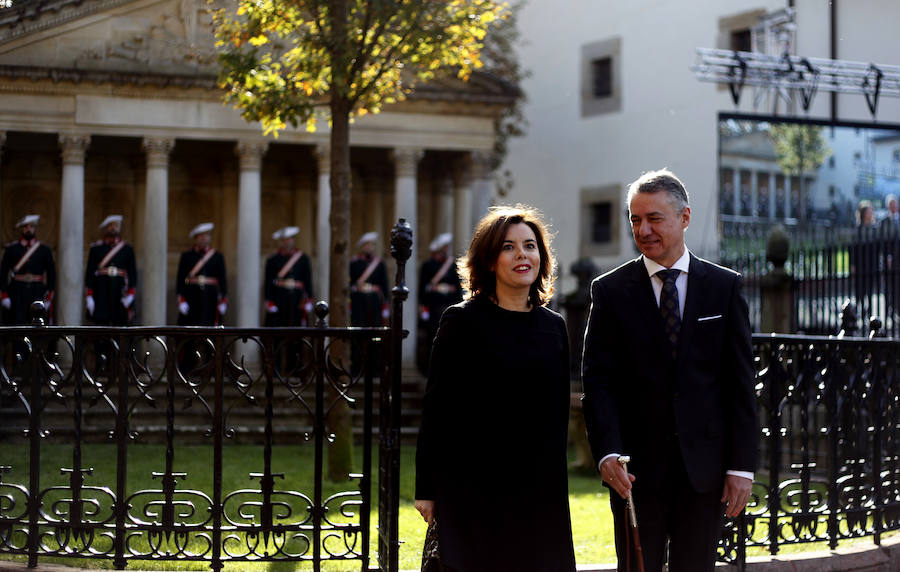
column 774, row 422
column 318, row 510
column 122, row 437
column 38, row 320
column 389, row 494
column 218, row 438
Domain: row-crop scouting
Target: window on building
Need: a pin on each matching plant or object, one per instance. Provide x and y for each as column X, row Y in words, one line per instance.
column 896, row 155
column 601, row 209
column 601, row 77
column 602, row 80
column 741, row 40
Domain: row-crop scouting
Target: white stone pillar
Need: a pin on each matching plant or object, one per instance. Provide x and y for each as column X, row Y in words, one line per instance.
column 247, row 302
column 772, row 194
column 788, row 200
column 321, row 279
column 70, row 262
column 482, row 185
column 462, row 208
column 736, row 185
column 406, row 163
column 153, row 284
column 443, row 216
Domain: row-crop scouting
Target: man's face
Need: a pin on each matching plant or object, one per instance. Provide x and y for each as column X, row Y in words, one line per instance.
column 367, row 248
column 892, row 206
column 112, row 229
column 29, row 230
column 286, row 243
column 203, row 239
column 658, row 227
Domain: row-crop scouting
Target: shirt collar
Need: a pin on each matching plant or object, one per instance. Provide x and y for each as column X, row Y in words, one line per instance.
column 680, row 264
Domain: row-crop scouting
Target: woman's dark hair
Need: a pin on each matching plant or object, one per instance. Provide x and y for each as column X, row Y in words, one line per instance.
column 476, row 267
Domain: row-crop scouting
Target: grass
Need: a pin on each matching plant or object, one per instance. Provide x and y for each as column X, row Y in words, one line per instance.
column 592, row 523
column 588, row 501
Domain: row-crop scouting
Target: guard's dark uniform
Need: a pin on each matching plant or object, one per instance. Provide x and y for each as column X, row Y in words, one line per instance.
column 110, row 283
column 367, row 299
column 434, row 299
column 204, row 290
column 290, row 291
column 34, row 280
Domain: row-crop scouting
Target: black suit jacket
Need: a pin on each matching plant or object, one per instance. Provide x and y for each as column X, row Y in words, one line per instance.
column 637, row 400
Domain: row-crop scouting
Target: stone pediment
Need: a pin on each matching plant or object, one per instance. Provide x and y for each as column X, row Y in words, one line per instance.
column 137, row 36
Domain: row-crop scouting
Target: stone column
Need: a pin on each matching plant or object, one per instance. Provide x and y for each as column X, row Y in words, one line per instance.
column 70, row 261
column 771, row 195
column 462, row 208
column 247, row 303
column 406, row 163
column 481, row 185
column 153, row 285
column 321, row 279
column 443, row 215
column 736, row 185
column 754, row 194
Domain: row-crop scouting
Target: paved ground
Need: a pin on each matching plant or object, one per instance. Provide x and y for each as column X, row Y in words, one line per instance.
column 861, row 558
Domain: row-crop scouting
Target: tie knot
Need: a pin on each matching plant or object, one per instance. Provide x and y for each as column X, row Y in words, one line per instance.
column 669, row 276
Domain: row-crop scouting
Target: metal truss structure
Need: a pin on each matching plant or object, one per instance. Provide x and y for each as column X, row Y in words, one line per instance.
column 789, row 74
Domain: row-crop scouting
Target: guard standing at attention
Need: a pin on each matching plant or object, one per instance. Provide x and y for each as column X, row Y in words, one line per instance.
column 111, row 277
column 27, row 273
column 288, row 283
column 368, row 285
column 200, row 282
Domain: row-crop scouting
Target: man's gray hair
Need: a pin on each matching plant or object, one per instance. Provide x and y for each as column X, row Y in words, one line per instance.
column 662, row 180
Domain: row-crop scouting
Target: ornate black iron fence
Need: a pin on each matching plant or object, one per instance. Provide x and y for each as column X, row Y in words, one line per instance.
column 196, row 390
column 830, row 443
column 829, row 267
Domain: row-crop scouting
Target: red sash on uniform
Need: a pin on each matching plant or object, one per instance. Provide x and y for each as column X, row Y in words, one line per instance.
column 441, row 272
column 290, row 264
column 26, row 256
column 109, row 255
column 201, row 263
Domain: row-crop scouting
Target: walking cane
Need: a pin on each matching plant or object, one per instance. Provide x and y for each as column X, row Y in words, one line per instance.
column 631, row 525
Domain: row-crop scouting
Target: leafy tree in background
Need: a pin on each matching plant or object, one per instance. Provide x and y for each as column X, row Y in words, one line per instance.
column 798, row 148
column 287, row 62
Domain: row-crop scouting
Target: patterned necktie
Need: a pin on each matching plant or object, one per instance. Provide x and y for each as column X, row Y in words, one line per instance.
column 668, row 307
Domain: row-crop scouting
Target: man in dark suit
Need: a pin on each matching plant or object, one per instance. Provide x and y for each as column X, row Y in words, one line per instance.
column 288, row 283
column 673, row 389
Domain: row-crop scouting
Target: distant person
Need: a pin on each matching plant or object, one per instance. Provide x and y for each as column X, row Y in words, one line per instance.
column 439, row 288
column 200, row 282
column 288, row 282
column 864, row 260
column 890, row 230
column 669, row 381
column 110, row 278
column 368, row 284
column 892, row 221
column 27, row 274
column 491, row 467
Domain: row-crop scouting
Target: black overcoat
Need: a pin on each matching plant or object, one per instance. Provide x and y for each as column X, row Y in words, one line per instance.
column 109, row 288
column 22, row 293
column 492, row 447
column 289, row 292
column 202, row 299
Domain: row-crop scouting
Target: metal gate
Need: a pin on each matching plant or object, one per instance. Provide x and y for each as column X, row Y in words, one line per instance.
column 201, row 444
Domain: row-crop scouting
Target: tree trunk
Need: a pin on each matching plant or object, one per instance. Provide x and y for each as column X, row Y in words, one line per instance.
column 340, row 421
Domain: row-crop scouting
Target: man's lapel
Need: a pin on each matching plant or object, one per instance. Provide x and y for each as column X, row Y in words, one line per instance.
column 697, row 274
column 649, row 322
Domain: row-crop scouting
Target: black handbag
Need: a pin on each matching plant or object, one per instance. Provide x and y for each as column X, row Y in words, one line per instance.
column 431, row 555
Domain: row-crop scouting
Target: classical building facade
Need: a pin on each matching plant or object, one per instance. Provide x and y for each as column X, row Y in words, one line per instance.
column 111, row 106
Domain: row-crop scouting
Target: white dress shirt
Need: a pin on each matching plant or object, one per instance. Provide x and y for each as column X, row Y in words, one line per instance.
column 681, row 284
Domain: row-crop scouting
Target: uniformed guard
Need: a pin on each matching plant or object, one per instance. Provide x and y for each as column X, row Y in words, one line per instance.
column 368, row 285
column 200, row 282
column 288, row 284
column 439, row 288
column 27, row 273
column 110, row 279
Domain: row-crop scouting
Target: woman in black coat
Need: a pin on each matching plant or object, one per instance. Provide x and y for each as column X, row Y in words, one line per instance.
column 491, row 463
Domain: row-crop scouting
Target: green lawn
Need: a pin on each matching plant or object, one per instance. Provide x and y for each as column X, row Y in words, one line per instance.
column 592, row 523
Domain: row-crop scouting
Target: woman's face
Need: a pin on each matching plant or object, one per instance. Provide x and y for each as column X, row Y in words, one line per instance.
column 519, row 262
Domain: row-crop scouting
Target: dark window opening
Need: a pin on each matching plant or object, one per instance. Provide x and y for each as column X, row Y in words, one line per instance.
column 601, row 223
column 602, row 77
column 741, row 41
